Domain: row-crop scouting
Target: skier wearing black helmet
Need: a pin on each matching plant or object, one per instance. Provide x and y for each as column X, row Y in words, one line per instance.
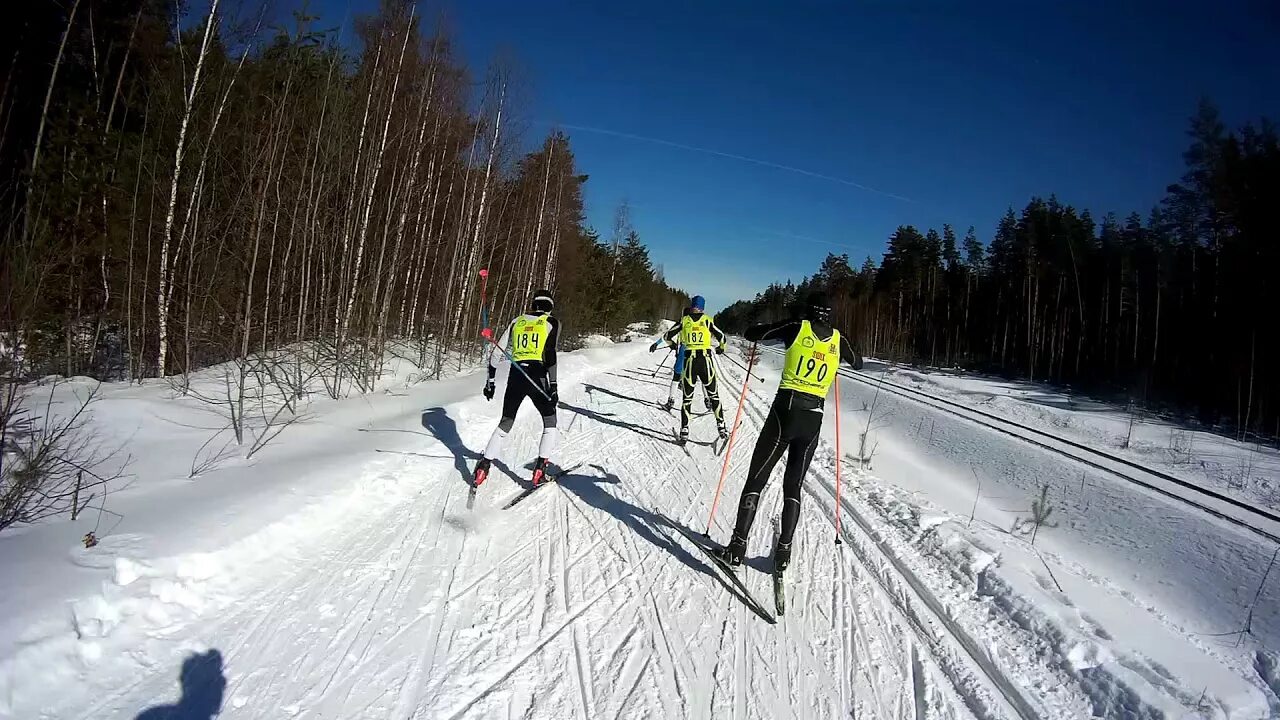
column 695, row 333
column 531, row 340
column 814, row 351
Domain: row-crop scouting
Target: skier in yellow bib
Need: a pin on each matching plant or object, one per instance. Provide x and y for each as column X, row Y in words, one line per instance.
column 696, row 332
column 531, row 339
column 814, row 351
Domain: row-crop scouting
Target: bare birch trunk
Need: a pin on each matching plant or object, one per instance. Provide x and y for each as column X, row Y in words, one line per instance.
column 162, row 298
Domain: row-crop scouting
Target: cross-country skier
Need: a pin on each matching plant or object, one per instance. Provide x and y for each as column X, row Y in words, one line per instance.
column 677, row 370
column 532, row 339
column 814, row 351
column 696, row 332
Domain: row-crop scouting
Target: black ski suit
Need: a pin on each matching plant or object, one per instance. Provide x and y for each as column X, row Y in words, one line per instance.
column 791, row 427
column 537, row 383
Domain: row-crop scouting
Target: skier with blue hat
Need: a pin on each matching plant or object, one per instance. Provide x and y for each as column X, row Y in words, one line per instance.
column 696, row 333
column 677, row 371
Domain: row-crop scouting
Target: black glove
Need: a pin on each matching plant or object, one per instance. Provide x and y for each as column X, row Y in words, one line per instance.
column 719, row 349
column 653, row 347
column 555, row 394
column 489, row 389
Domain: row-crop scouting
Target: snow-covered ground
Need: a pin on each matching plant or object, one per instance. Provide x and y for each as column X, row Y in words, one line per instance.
column 1249, row 471
column 338, row 574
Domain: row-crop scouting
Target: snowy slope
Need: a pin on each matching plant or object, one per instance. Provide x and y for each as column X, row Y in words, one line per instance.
column 340, row 575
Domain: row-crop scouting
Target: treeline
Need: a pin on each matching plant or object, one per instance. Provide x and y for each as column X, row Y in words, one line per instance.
column 181, row 191
column 1175, row 310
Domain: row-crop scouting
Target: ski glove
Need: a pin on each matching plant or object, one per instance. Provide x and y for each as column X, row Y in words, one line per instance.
column 654, row 347
column 489, row 389
column 555, row 394
column 719, row 349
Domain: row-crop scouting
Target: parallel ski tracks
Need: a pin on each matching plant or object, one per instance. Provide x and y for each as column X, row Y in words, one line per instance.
column 1260, row 521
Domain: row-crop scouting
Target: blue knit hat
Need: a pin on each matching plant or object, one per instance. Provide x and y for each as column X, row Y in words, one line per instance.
column 698, row 303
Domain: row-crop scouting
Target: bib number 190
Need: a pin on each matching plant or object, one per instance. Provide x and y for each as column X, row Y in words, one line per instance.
column 805, row 368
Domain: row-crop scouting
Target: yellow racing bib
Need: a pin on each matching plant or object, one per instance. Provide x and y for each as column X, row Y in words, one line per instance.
column 696, row 334
column 811, row 362
column 529, row 337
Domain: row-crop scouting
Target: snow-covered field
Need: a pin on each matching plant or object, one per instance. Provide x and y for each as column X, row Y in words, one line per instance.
column 1249, row 471
column 338, row 574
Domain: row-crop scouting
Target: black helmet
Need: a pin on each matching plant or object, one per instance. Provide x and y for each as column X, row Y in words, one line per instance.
column 817, row 307
column 542, row 302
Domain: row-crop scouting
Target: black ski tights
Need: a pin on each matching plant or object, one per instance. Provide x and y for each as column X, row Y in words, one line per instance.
column 700, row 368
column 791, row 427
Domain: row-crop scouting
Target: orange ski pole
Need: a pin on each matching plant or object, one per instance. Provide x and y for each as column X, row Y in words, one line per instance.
column 737, row 417
column 837, row 381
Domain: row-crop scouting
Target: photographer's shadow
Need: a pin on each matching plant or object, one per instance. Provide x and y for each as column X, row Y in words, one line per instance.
column 203, row 685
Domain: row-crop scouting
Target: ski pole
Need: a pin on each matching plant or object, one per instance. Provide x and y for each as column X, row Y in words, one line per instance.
column 487, row 334
column 744, row 367
column 728, row 450
column 484, row 308
column 837, row 382
column 663, row 362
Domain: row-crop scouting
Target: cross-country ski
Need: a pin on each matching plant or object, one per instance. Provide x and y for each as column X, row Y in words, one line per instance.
column 544, row 482
column 735, row 585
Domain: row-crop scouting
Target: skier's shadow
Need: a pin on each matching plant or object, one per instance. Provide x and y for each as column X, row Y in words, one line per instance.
column 645, row 523
column 608, row 419
column 437, row 421
column 606, row 391
column 203, row 686
column 642, row 522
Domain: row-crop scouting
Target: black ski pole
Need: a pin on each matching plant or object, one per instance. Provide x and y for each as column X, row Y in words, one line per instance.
column 748, row 370
column 663, row 362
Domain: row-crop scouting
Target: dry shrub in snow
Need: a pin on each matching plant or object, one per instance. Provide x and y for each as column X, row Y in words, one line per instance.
column 51, row 461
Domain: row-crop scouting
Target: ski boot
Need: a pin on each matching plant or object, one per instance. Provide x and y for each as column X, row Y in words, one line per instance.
column 539, row 472
column 731, row 554
column 670, row 403
column 724, row 431
column 684, row 436
column 781, row 557
column 482, row 472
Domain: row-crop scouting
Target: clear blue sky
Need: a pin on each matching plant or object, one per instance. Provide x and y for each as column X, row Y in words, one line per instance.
column 751, row 139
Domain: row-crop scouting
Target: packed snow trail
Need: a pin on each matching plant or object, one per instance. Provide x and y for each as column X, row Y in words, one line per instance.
column 385, row 597
column 582, row 601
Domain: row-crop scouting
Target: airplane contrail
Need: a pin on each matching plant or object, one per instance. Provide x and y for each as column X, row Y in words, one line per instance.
column 734, row 156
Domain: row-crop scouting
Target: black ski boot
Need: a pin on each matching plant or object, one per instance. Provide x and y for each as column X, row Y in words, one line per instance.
column 540, row 471
column 781, row 557
column 684, row 436
column 671, row 402
column 482, row 472
column 731, row 554
column 724, row 431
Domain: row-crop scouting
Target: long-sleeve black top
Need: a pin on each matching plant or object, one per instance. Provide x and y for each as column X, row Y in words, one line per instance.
column 787, row 330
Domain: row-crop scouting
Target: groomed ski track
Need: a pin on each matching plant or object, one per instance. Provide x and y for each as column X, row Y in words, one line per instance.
column 582, row 601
